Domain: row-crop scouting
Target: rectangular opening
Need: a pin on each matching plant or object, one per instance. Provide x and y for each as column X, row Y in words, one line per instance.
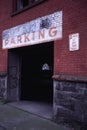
column 36, row 73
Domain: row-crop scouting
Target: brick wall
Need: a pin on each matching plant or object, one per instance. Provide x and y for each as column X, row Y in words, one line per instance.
column 7, row 21
column 70, row 68
column 74, row 21
column 68, row 95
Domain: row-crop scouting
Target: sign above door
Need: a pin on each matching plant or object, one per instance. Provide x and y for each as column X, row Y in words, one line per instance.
column 47, row 28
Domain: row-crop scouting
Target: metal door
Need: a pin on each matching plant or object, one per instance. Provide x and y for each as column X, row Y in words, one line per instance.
column 13, row 76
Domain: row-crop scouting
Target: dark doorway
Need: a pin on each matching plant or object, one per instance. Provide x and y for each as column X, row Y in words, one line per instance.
column 36, row 73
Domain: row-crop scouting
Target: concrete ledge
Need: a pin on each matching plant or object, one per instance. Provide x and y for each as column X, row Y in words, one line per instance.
column 62, row 77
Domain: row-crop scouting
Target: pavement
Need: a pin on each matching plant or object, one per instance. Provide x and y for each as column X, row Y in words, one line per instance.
column 42, row 109
column 12, row 118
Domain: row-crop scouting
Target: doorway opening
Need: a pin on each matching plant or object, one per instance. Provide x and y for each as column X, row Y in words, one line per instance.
column 36, row 73
column 30, row 78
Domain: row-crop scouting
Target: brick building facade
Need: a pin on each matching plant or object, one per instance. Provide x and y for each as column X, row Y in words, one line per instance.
column 66, row 59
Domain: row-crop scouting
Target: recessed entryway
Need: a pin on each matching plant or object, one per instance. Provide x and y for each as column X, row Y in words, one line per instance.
column 30, row 75
column 36, row 73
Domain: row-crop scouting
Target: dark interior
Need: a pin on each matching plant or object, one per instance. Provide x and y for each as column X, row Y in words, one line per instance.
column 37, row 84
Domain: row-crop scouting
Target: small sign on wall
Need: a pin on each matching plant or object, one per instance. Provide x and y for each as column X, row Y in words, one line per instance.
column 74, row 42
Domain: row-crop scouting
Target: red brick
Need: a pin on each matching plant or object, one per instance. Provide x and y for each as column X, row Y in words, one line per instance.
column 74, row 21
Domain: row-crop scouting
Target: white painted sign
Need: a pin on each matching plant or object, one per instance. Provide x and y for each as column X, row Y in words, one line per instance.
column 74, row 42
column 47, row 28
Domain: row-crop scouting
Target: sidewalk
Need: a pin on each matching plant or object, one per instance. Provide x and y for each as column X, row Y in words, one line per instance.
column 12, row 118
column 42, row 109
